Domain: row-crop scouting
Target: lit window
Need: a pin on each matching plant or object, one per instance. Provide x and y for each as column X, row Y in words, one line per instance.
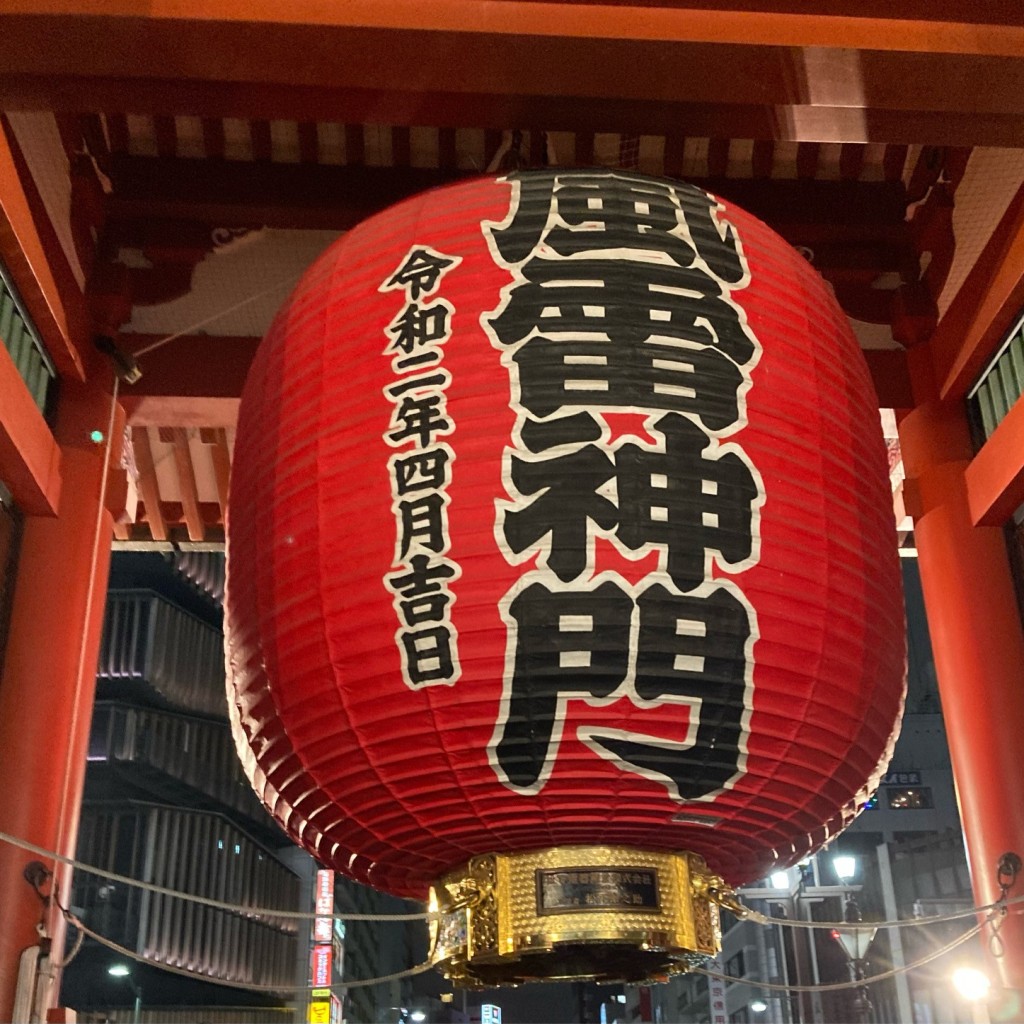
column 910, row 799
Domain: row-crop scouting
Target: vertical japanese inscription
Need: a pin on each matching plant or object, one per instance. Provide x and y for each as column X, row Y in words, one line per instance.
column 621, row 302
column 420, row 470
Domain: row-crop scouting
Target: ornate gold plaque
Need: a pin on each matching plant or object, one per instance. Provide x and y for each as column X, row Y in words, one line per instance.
column 562, row 891
column 602, row 912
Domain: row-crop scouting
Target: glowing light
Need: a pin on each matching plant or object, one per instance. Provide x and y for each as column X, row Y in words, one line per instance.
column 758, row 1005
column 96, row 436
column 119, row 970
column 780, row 880
column 971, row 983
column 846, row 867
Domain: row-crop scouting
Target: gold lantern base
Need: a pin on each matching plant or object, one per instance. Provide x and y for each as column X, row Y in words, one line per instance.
column 606, row 913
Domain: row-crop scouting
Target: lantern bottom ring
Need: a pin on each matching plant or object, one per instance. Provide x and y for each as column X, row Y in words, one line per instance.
column 608, row 913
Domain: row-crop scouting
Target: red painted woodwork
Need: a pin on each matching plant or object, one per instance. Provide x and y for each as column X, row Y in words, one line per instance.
column 995, row 477
column 839, row 78
column 975, row 629
column 32, row 255
column 985, row 307
column 29, row 456
column 392, row 783
column 56, row 618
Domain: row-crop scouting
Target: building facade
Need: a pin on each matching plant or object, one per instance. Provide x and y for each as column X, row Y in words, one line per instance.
column 166, row 802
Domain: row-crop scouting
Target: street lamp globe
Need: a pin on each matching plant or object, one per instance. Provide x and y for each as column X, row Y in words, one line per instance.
column 758, row 1005
column 119, row 970
column 845, row 867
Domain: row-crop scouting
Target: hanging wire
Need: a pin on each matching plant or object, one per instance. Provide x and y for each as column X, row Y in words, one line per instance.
column 1006, row 875
column 76, row 946
column 935, row 954
column 858, row 983
column 183, row 972
column 794, row 922
column 302, row 915
column 206, row 901
column 996, row 912
column 322, row 273
column 280, row 286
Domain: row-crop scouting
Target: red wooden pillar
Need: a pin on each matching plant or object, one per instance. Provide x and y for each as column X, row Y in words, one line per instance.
column 978, row 645
column 49, row 673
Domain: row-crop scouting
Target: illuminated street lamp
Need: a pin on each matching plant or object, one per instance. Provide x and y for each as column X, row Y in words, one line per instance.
column 124, row 973
column 855, row 941
column 758, row 1005
column 973, row 985
column 845, row 867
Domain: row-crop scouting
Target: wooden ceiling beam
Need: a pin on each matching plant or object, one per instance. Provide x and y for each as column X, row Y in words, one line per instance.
column 187, row 484
column 761, row 72
column 193, row 381
column 148, row 489
column 151, row 192
column 921, row 26
column 235, row 193
column 138, row 537
column 753, row 118
column 220, row 455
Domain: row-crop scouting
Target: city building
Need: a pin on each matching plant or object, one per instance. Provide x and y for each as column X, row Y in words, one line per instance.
column 166, row 802
column 359, row 949
column 167, row 171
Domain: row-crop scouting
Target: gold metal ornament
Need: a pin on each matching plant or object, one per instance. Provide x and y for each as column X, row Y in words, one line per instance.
column 602, row 912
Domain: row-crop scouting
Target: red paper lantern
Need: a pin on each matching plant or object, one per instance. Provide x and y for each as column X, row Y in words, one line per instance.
column 559, row 516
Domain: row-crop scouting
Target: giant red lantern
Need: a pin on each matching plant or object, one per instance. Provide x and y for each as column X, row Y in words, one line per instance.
column 560, row 520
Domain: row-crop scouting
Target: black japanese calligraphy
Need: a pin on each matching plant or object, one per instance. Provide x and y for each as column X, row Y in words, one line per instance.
column 568, row 501
column 421, row 410
column 578, row 212
column 567, row 644
column 428, row 655
column 687, row 651
column 420, row 471
column 416, row 334
column 422, row 524
column 421, row 590
column 622, row 301
column 658, row 648
column 649, row 374
column 420, row 272
column 686, row 502
column 691, row 497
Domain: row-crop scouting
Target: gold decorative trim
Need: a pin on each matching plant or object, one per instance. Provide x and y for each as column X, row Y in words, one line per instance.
column 603, row 912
